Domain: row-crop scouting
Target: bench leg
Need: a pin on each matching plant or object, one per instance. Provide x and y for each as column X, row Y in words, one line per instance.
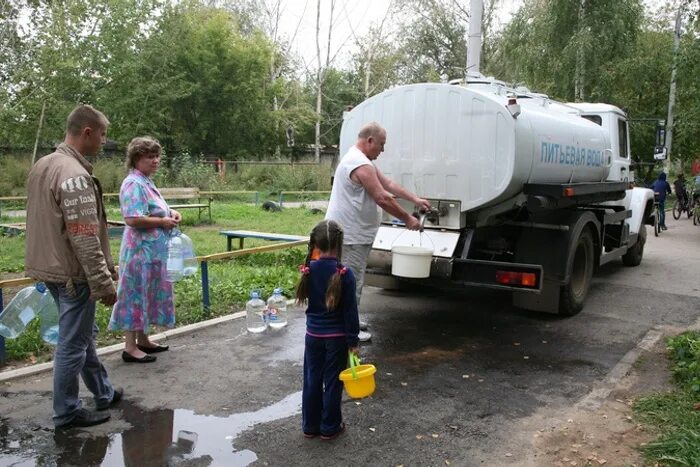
column 240, row 243
column 228, row 243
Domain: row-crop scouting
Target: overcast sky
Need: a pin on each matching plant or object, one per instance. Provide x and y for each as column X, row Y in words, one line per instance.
column 350, row 16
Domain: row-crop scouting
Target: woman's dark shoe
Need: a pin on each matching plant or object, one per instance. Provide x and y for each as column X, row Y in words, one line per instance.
column 310, row 435
column 127, row 357
column 156, row 349
column 340, row 431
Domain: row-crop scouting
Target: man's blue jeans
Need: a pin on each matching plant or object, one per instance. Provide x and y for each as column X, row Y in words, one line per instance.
column 76, row 353
column 324, row 359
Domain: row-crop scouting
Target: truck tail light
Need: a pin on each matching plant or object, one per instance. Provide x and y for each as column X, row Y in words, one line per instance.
column 525, row 279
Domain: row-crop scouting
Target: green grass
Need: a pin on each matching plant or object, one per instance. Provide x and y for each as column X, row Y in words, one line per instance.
column 230, row 280
column 672, row 415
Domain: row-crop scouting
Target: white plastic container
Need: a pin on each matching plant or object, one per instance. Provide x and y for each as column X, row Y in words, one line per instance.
column 189, row 258
column 277, row 310
column 48, row 315
column 175, row 263
column 23, row 308
column 411, row 261
column 255, row 318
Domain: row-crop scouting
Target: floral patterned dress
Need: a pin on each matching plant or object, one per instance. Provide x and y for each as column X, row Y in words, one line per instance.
column 144, row 295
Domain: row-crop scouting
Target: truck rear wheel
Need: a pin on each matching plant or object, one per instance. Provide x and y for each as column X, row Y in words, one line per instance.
column 575, row 291
column 633, row 257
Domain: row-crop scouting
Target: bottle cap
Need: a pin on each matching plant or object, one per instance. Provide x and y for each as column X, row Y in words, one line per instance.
column 278, row 290
column 254, row 295
column 40, row 287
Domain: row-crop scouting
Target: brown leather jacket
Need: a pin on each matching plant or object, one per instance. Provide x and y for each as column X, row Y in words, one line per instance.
column 67, row 238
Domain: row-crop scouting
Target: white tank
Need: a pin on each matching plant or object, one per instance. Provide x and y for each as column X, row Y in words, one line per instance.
column 462, row 143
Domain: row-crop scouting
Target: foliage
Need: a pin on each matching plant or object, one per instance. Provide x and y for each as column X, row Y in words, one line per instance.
column 685, row 355
column 672, row 413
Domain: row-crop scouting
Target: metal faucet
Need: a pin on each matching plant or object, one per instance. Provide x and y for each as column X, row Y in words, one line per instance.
column 431, row 214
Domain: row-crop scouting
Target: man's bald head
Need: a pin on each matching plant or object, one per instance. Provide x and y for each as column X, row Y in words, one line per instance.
column 371, row 140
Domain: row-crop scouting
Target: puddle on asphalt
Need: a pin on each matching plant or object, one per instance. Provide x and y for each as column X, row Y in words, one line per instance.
column 156, row 437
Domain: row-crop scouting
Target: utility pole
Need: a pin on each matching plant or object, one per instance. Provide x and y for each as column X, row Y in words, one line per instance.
column 672, row 88
column 476, row 13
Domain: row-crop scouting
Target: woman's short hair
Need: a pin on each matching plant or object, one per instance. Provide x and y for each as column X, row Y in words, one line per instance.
column 139, row 147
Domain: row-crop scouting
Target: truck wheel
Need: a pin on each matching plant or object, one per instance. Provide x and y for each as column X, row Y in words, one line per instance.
column 634, row 254
column 575, row 291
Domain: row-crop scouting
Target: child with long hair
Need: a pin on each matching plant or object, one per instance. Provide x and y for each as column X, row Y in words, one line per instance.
column 332, row 327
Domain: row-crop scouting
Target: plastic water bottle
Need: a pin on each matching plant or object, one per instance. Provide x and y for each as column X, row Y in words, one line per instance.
column 277, row 310
column 23, row 308
column 48, row 315
column 255, row 314
column 189, row 258
column 175, row 263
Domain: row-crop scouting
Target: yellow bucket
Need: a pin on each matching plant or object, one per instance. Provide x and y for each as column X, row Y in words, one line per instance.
column 358, row 379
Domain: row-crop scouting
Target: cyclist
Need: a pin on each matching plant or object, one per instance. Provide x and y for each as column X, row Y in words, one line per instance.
column 681, row 192
column 661, row 188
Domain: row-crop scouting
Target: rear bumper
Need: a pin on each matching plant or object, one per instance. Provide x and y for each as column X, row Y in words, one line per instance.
column 445, row 272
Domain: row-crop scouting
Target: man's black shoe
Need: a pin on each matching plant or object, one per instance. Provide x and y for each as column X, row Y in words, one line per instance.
column 118, row 393
column 85, row 418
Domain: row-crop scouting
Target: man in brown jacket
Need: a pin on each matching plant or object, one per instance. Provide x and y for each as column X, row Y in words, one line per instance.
column 68, row 249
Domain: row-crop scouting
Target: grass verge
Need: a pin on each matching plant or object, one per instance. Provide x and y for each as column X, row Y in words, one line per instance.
column 676, row 415
column 230, row 281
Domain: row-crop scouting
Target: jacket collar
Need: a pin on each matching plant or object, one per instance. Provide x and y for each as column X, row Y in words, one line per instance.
column 69, row 150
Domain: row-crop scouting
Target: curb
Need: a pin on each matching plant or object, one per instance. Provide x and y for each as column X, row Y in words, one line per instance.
column 42, row 367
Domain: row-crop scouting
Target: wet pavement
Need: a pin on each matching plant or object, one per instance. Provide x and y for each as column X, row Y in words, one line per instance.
column 460, row 379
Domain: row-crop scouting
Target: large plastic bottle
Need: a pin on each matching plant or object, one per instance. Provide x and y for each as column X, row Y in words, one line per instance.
column 189, row 258
column 255, row 319
column 48, row 315
column 175, row 263
column 277, row 310
column 23, row 308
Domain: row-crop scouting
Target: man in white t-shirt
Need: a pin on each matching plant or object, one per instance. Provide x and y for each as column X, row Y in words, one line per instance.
column 358, row 188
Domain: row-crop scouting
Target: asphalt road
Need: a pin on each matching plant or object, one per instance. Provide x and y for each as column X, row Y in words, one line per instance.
column 460, row 379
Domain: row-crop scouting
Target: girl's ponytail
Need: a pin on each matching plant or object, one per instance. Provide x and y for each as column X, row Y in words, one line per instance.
column 302, row 294
column 335, row 288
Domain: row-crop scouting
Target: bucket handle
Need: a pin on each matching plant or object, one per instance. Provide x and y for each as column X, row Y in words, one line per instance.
column 420, row 238
column 354, row 361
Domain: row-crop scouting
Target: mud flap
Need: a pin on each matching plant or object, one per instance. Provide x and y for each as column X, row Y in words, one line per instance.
column 546, row 301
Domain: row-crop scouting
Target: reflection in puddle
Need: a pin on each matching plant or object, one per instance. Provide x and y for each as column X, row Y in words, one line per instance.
column 161, row 437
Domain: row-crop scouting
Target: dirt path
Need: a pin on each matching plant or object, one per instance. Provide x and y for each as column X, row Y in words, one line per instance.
column 609, row 434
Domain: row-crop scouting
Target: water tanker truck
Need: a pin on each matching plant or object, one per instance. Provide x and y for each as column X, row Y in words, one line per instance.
column 529, row 195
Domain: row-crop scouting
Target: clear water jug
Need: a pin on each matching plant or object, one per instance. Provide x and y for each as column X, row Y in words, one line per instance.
column 189, row 258
column 175, row 263
column 255, row 319
column 23, row 308
column 49, row 321
column 277, row 310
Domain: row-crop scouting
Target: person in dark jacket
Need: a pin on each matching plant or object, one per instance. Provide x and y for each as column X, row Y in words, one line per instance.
column 679, row 188
column 661, row 189
column 332, row 328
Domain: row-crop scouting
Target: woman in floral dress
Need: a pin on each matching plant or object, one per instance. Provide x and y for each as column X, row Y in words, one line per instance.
column 144, row 295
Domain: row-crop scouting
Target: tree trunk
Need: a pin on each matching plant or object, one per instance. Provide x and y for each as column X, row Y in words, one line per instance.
column 579, row 93
column 317, row 151
column 38, row 132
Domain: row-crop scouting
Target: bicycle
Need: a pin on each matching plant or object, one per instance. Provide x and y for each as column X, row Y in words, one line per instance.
column 687, row 206
column 657, row 216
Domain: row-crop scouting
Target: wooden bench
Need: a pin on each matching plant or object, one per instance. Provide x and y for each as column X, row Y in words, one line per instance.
column 243, row 234
column 187, row 193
